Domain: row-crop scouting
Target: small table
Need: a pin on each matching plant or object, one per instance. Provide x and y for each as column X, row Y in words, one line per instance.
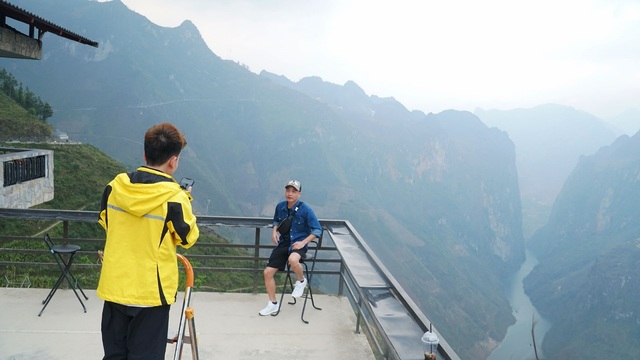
column 69, row 251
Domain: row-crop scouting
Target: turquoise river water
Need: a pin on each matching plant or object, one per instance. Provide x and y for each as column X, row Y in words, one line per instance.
column 518, row 343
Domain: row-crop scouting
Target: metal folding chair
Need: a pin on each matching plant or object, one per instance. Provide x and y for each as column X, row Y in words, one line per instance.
column 310, row 257
column 59, row 253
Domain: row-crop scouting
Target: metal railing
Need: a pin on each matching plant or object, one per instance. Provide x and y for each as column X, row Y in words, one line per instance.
column 346, row 266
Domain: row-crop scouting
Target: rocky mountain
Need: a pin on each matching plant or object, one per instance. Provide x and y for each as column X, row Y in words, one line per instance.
column 589, row 252
column 549, row 141
column 435, row 196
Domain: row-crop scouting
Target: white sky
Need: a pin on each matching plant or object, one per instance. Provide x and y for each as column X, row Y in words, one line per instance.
column 433, row 55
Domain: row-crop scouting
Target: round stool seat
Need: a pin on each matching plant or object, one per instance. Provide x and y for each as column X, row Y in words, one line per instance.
column 65, row 248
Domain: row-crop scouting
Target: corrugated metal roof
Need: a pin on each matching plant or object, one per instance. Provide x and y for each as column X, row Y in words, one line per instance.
column 43, row 25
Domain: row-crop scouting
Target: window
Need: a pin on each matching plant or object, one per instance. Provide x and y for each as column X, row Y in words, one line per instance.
column 20, row 170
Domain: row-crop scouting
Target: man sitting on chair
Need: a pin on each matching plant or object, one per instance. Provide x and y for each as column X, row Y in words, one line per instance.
column 294, row 226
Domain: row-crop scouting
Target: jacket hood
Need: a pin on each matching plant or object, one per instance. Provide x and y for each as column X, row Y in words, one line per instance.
column 141, row 198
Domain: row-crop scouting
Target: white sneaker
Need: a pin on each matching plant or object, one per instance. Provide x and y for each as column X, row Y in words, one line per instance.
column 271, row 308
column 299, row 288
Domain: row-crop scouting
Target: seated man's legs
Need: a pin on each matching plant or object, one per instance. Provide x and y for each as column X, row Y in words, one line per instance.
column 294, row 262
column 270, row 282
column 277, row 261
column 296, row 266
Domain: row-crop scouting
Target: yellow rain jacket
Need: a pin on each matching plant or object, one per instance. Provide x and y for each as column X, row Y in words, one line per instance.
column 146, row 215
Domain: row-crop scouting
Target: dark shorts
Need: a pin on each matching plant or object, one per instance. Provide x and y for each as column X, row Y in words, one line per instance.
column 280, row 255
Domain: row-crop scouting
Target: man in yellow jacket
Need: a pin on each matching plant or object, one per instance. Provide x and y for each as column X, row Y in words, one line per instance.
column 146, row 215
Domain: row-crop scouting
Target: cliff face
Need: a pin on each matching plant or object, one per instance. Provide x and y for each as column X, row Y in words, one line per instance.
column 462, row 207
column 549, row 139
column 589, row 252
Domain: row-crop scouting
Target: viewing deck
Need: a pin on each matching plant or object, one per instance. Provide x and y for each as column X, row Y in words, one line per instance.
column 227, row 324
column 366, row 312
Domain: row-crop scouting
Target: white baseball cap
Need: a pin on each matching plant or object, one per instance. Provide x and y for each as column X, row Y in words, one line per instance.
column 295, row 184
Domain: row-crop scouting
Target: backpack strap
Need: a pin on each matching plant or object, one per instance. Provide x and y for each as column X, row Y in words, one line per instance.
column 295, row 209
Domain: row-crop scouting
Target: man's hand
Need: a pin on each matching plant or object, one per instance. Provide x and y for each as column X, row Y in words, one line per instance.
column 275, row 235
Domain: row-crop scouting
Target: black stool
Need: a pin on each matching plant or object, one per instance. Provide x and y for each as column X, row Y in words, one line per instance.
column 65, row 266
column 310, row 256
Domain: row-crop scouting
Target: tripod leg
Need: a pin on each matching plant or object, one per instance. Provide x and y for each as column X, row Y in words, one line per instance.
column 191, row 321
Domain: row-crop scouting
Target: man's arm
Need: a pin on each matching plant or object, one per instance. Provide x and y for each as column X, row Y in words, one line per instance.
column 184, row 223
column 102, row 217
column 275, row 236
column 315, row 229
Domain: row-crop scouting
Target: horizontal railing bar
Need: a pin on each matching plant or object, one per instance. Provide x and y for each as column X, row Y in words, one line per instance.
column 192, row 257
column 203, row 268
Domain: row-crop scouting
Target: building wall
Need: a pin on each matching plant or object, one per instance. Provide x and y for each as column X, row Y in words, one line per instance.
column 28, row 193
column 13, row 44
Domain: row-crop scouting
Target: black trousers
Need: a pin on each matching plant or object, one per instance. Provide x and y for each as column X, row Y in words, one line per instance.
column 134, row 333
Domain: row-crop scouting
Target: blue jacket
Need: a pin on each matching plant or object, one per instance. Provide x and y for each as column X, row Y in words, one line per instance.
column 304, row 222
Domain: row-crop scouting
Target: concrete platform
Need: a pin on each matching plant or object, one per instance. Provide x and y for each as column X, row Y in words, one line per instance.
column 228, row 327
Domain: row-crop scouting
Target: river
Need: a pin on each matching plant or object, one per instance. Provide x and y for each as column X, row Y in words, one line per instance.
column 518, row 344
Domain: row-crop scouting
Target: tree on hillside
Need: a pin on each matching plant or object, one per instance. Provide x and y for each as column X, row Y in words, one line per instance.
column 9, row 83
column 45, row 111
column 25, row 98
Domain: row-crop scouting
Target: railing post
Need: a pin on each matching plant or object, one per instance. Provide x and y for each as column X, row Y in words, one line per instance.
column 256, row 262
column 65, row 231
column 341, row 280
column 359, row 315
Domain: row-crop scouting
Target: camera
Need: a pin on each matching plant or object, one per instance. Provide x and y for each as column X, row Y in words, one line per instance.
column 186, row 183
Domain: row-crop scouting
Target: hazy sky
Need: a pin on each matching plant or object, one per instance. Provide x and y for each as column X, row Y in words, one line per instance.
column 433, row 55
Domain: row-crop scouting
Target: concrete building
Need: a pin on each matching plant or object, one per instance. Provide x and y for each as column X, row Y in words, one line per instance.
column 27, row 177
